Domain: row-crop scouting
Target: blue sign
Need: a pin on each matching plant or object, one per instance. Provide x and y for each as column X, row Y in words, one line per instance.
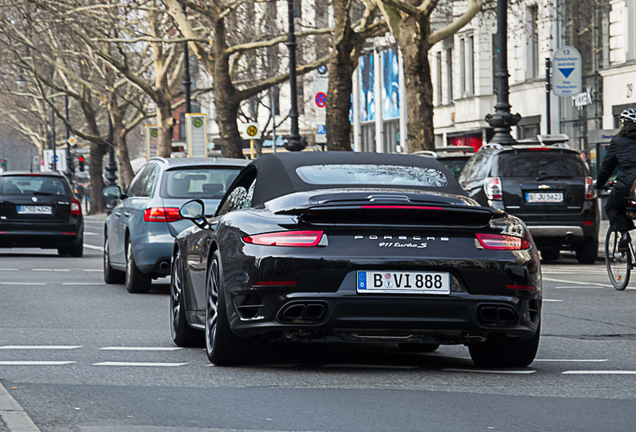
column 321, row 130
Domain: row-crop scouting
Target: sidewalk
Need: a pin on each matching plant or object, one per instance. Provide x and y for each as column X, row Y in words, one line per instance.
column 12, row 417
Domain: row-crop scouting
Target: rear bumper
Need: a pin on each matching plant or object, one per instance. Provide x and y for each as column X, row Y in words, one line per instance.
column 43, row 236
column 152, row 252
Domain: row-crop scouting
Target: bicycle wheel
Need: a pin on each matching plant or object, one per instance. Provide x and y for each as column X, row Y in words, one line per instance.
column 619, row 263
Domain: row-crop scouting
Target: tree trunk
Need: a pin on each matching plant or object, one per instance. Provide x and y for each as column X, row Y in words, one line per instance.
column 227, row 101
column 413, row 41
column 95, row 169
column 341, row 67
column 165, row 122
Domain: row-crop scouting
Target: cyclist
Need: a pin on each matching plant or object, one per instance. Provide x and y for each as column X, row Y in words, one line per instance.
column 621, row 153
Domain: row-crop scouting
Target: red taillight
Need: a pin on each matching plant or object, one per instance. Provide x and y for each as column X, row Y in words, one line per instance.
column 539, row 149
column 76, row 207
column 502, row 242
column 590, row 190
column 286, row 238
column 492, row 188
column 520, row 287
column 162, row 214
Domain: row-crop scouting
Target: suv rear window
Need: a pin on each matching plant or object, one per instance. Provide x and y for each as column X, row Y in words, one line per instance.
column 33, row 184
column 541, row 163
column 199, row 182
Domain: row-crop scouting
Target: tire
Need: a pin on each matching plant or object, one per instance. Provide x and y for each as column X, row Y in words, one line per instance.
column 550, row 254
column 77, row 250
column 136, row 282
column 506, row 354
column 182, row 334
column 418, row 347
column 222, row 347
column 618, row 263
column 111, row 276
column 587, row 252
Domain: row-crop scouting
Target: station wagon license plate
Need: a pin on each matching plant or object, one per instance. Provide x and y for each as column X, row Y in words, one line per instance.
column 29, row 209
column 544, row 197
column 400, row 282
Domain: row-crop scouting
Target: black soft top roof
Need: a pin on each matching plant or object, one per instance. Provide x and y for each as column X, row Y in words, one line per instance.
column 279, row 171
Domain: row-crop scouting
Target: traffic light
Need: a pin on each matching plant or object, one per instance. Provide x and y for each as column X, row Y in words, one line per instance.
column 80, row 163
column 3, row 164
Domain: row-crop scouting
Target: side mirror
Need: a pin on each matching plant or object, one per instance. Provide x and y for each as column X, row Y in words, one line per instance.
column 193, row 210
column 111, row 192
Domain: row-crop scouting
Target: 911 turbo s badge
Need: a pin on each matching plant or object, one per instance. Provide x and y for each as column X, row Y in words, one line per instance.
column 410, row 242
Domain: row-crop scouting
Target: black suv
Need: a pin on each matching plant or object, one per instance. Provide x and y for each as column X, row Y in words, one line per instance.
column 548, row 186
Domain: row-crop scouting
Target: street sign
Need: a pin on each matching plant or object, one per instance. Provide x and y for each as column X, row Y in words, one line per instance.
column 321, row 99
column 72, row 140
column 48, row 160
column 152, row 141
column 321, row 129
column 566, row 73
column 250, row 131
column 196, row 135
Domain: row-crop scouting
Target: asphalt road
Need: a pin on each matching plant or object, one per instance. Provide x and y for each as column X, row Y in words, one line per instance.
column 79, row 355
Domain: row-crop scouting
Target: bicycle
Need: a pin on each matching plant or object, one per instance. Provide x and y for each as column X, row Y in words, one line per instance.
column 620, row 261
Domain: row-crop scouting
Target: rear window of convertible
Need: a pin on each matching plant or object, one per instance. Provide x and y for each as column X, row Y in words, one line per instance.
column 353, row 174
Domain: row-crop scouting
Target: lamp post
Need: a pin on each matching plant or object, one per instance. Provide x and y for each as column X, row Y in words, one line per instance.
column 111, row 168
column 502, row 120
column 53, row 146
column 186, row 73
column 70, row 166
column 293, row 143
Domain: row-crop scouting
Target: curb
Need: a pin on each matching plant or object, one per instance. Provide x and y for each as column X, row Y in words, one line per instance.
column 13, row 416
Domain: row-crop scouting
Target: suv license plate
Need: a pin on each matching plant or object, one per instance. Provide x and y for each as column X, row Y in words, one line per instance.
column 35, row 210
column 400, row 282
column 544, row 197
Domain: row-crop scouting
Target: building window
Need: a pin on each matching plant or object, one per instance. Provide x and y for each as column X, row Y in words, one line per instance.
column 439, row 78
column 470, row 64
column 462, row 66
column 449, row 73
column 532, row 42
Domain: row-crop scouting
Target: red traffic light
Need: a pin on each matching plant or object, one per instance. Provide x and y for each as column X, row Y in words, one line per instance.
column 81, row 158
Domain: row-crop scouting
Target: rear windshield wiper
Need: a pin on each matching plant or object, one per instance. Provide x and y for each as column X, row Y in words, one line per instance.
column 555, row 177
column 42, row 193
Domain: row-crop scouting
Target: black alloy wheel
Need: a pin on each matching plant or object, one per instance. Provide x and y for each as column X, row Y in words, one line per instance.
column 222, row 347
column 506, row 354
column 136, row 281
column 111, row 276
column 182, row 334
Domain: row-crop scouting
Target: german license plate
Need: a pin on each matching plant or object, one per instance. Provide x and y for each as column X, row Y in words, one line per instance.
column 400, row 282
column 28, row 209
column 544, row 197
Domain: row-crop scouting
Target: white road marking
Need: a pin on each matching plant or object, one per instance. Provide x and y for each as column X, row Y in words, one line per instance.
column 22, row 283
column 576, row 282
column 366, row 366
column 90, row 233
column 577, row 287
column 93, row 270
column 599, row 372
column 35, row 363
column 99, row 248
column 139, row 364
column 488, row 371
column 51, row 270
column 8, row 269
column 113, row 348
column 551, row 300
column 40, row 347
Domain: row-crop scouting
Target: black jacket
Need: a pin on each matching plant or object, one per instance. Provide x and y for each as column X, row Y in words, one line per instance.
column 621, row 153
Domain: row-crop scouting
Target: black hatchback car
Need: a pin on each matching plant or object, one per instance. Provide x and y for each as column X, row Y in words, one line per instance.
column 548, row 186
column 40, row 210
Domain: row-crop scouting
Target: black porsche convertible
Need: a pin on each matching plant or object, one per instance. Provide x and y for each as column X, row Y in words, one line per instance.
column 359, row 247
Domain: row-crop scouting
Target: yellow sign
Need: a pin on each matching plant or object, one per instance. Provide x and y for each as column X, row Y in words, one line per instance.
column 252, row 130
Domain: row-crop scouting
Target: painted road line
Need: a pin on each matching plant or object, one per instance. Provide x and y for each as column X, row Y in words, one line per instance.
column 488, row 371
column 7, row 269
column 576, row 282
column 51, row 270
column 113, row 348
column 99, row 248
column 40, row 347
column 90, row 233
column 139, row 364
column 552, row 300
column 35, row 363
column 22, row 283
column 93, row 270
column 599, row 372
column 577, row 287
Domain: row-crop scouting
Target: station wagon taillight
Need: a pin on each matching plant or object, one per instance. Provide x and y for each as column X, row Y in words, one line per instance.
column 286, row 238
column 162, row 214
column 502, row 242
column 76, row 207
column 492, row 188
